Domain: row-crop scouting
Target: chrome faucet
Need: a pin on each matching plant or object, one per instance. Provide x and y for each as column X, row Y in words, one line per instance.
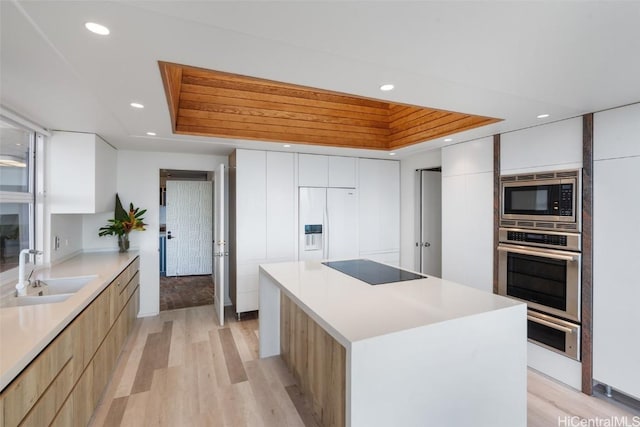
column 21, row 286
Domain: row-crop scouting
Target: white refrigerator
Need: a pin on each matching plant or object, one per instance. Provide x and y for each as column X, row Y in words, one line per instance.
column 328, row 223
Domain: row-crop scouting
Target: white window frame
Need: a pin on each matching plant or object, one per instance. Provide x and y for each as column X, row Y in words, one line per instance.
column 35, row 196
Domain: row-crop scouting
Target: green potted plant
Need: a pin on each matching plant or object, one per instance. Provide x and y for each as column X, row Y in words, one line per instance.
column 123, row 223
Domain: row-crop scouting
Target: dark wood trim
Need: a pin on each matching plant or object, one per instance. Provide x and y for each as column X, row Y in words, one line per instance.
column 587, row 254
column 496, row 207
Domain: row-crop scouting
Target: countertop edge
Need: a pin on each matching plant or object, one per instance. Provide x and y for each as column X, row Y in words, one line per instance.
column 11, row 373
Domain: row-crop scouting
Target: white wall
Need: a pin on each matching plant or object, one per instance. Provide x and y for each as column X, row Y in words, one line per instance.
column 68, row 228
column 408, row 200
column 139, row 182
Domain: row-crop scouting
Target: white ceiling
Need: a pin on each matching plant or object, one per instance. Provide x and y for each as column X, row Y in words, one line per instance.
column 512, row 60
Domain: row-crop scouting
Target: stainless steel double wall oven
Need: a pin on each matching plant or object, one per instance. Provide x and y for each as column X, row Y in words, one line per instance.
column 539, row 254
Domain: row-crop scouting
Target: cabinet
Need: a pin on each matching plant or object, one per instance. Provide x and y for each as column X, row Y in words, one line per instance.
column 616, row 252
column 552, row 146
column 379, row 209
column 326, row 171
column 65, row 382
column 73, row 155
column 262, row 198
column 467, row 214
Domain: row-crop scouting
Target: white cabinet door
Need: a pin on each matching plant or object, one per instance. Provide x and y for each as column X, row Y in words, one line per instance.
column 342, row 172
column 281, row 207
column 82, row 173
column 616, row 133
column 454, row 254
column 251, row 205
column 265, row 219
column 467, row 214
column 342, row 224
column 313, row 170
column 379, row 205
column 616, row 287
column 553, row 146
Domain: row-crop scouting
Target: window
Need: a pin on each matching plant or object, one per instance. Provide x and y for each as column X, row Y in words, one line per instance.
column 17, row 195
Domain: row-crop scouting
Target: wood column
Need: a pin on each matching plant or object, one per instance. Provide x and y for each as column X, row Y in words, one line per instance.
column 496, row 208
column 587, row 254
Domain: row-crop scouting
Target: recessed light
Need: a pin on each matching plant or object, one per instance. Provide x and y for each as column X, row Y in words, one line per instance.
column 97, row 28
column 136, row 105
column 448, row 139
column 392, row 154
column 543, row 116
column 286, row 145
column 151, row 133
column 386, row 87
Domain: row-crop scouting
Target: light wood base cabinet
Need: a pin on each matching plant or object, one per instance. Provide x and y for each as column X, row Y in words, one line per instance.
column 317, row 361
column 64, row 384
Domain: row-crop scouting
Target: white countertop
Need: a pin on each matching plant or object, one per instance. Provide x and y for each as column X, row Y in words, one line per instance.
column 352, row 310
column 25, row 331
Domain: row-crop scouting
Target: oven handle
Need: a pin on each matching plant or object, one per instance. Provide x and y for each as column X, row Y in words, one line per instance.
column 550, row 324
column 561, row 257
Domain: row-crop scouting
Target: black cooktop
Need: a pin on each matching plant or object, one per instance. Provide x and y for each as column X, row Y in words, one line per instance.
column 372, row 272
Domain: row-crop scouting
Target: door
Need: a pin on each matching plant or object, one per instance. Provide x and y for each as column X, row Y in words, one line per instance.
column 220, row 251
column 189, row 228
column 342, row 223
column 312, row 232
column 429, row 242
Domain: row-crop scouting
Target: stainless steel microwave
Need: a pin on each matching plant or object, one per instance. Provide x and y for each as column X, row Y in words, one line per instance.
column 548, row 200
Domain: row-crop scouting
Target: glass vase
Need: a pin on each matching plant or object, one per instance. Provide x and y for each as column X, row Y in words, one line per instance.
column 123, row 242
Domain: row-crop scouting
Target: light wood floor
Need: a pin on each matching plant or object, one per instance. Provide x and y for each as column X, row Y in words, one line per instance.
column 181, row 369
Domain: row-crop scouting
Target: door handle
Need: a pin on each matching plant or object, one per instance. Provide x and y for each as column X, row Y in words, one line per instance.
column 169, row 236
column 426, row 244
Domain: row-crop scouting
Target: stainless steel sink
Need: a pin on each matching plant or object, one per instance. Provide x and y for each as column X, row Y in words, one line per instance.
column 63, row 285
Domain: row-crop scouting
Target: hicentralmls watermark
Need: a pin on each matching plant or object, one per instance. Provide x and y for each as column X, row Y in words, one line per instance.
column 616, row 421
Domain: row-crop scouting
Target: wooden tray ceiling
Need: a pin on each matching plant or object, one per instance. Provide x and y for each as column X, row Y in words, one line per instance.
column 212, row 103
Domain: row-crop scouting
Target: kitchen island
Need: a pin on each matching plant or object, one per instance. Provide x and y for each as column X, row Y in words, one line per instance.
column 412, row 353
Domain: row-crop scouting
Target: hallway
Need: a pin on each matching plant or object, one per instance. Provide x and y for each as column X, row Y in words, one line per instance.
column 185, row 291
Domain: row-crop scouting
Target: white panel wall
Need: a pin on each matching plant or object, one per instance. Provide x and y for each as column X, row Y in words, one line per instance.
column 467, row 213
column 548, row 147
column 408, row 200
column 616, row 233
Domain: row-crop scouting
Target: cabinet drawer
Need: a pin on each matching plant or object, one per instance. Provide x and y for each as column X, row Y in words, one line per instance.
column 25, row 391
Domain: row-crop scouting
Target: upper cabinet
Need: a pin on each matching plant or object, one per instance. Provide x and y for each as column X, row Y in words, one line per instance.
column 342, row 172
column 82, row 173
column 313, row 170
column 612, row 130
column 553, row 146
column 326, row 171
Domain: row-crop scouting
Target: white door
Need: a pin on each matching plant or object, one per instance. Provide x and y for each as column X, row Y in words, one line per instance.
column 342, row 223
column 189, row 228
column 311, row 220
column 429, row 242
column 221, row 251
